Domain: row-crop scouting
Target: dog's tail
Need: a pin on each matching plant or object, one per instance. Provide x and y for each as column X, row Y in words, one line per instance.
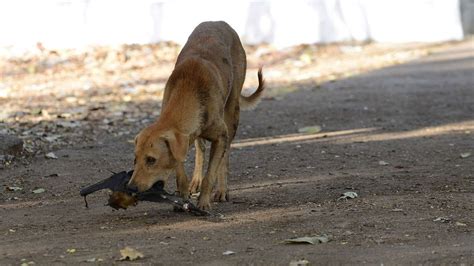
column 250, row 102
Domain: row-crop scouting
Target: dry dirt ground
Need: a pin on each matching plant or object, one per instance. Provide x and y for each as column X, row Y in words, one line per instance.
column 393, row 135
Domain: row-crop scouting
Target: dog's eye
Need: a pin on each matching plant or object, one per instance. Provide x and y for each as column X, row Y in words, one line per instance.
column 150, row 160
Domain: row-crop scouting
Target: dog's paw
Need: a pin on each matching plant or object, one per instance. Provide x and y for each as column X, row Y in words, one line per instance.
column 194, row 186
column 204, row 203
column 221, row 196
column 183, row 194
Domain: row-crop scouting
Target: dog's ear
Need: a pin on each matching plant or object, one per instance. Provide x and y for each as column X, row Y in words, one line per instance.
column 178, row 144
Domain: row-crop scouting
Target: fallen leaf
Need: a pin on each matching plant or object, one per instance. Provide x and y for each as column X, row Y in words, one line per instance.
column 228, row 252
column 308, row 240
column 348, row 195
column 383, row 163
column 299, row 262
column 13, row 188
column 71, row 250
column 465, row 155
column 39, row 190
column 51, row 155
column 129, row 253
column 310, row 130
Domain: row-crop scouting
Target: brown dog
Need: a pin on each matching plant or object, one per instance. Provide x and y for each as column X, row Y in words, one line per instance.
column 201, row 101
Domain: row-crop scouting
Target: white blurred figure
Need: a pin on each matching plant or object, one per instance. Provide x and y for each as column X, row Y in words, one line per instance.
column 77, row 23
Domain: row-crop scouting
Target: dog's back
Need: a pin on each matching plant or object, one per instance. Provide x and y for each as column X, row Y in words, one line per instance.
column 219, row 44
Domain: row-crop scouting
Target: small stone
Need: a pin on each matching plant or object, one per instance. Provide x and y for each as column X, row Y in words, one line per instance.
column 50, row 155
column 302, row 262
column 348, row 195
column 71, row 250
column 228, row 252
column 442, row 219
column 14, row 188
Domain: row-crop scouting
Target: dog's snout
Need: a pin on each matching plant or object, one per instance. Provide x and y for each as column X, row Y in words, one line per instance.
column 132, row 188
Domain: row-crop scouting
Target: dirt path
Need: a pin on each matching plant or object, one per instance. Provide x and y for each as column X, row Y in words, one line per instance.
column 395, row 136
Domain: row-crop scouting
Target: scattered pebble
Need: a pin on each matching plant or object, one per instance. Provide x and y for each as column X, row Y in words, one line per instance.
column 228, row 252
column 94, row 260
column 442, row 219
column 71, row 250
column 302, row 262
column 14, row 188
column 348, row 195
column 50, row 155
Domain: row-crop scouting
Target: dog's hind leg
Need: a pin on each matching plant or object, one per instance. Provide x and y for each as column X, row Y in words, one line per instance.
column 231, row 117
column 198, row 165
column 221, row 193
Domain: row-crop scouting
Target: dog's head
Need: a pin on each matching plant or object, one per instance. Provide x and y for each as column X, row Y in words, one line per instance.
column 157, row 152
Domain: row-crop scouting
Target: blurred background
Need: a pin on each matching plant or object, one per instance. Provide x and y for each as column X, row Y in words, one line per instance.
column 71, row 70
column 78, row 23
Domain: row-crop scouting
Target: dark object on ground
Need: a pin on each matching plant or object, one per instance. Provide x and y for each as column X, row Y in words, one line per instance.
column 121, row 200
column 122, row 197
column 10, row 145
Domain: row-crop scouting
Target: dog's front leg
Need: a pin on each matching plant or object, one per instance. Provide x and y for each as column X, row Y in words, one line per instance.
column 198, row 166
column 182, row 181
column 218, row 148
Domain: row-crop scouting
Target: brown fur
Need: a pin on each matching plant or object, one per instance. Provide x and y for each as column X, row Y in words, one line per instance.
column 201, row 102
